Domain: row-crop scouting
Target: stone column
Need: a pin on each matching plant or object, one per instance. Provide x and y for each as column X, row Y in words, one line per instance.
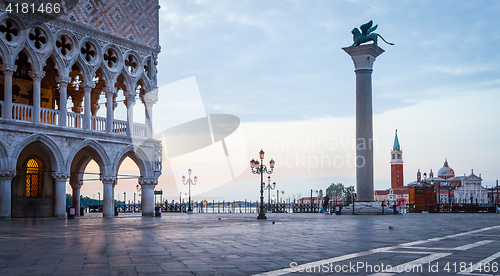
column 37, row 77
column 87, row 89
column 107, row 195
column 5, row 193
column 110, row 107
column 76, row 185
column 363, row 57
column 147, row 195
column 149, row 99
column 63, row 98
column 129, row 102
column 8, row 71
column 60, row 194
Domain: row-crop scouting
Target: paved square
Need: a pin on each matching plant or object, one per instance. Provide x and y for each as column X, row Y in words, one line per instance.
column 239, row 244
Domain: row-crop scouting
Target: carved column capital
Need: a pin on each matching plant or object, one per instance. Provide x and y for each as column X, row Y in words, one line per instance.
column 7, row 175
column 129, row 98
column 108, row 179
column 88, row 84
column 8, row 68
column 60, row 176
column 37, row 75
column 151, row 97
column 148, row 181
column 76, row 184
column 109, row 90
column 63, row 81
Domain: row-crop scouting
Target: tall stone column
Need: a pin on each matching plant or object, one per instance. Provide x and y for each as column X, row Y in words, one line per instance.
column 5, row 193
column 63, row 99
column 76, row 186
column 147, row 195
column 107, row 194
column 110, row 107
column 60, row 194
column 87, row 88
column 363, row 57
column 37, row 77
column 149, row 99
column 129, row 102
column 8, row 72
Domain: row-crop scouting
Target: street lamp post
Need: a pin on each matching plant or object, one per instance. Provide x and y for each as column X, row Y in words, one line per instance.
column 124, row 201
column 425, row 193
column 260, row 168
column 138, row 188
column 269, row 188
column 99, row 202
column 189, row 182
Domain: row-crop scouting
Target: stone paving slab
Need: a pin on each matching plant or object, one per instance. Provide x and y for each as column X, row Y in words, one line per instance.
column 239, row 244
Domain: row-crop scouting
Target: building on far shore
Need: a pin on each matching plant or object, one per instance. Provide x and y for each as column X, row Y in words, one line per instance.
column 448, row 187
column 397, row 181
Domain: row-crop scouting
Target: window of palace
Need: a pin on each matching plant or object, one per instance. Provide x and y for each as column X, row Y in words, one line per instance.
column 34, row 178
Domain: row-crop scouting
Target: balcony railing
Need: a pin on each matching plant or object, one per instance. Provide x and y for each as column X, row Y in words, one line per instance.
column 75, row 120
column 22, row 112
column 120, row 127
column 98, row 123
column 49, row 116
column 140, row 130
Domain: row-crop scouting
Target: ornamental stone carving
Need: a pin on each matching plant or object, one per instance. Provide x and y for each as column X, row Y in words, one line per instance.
column 8, row 68
column 148, row 181
column 58, row 176
column 76, row 184
column 37, row 75
column 7, row 174
column 61, row 80
column 151, row 97
column 108, row 179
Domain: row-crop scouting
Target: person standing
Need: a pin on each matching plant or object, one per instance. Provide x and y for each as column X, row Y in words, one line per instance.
column 326, row 200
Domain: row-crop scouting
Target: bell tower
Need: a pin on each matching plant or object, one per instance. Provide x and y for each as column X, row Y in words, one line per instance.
column 396, row 164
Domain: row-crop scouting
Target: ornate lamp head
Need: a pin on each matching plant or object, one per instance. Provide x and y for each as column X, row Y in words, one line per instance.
column 252, row 163
column 261, row 154
column 271, row 163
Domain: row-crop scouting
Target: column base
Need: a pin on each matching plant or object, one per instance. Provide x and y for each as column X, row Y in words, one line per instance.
column 261, row 216
column 5, row 217
column 148, row 214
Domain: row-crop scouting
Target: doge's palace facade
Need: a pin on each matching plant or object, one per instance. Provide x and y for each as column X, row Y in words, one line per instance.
column 55, row 75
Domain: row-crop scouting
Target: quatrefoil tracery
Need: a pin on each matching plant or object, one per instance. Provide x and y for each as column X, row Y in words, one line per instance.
column 110, row 57
column 38, row 38
column 131, row 64
column 64, row 45
column 9, row 30
column 88, row 51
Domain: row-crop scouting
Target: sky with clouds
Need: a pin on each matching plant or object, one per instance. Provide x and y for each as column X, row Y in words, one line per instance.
column 279, row 67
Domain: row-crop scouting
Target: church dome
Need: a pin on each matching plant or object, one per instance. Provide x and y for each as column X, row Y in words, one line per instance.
column 446, row 171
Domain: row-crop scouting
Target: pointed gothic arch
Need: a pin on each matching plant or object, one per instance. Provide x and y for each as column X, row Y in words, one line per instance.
column 52, row 149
